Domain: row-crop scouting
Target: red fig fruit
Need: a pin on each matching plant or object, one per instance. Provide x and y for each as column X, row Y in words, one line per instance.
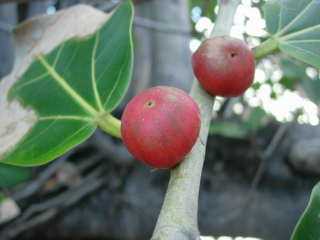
column 224, row 66
column 160, row 126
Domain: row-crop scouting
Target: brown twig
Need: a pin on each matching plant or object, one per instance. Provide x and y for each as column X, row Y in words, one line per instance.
column 115, row 152
column 267, row 154
column 36, row 184
column 44, row 211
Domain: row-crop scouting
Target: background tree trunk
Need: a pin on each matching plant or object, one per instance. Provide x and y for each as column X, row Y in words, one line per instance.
column 170, row 52
column 37, row 8
column 8, row 18
column 142, row 54
column 162, row 55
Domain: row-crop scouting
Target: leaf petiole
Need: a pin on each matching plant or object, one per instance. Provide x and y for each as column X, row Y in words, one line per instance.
column 267, row 47
column 110, row 125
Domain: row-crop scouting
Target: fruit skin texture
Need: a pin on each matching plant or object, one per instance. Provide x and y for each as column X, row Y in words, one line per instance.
column 160, row 126
column 224, row 66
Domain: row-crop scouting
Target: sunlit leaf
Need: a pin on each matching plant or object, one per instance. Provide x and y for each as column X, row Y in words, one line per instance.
column 312, row 89
column 295, row 25
column 229, row 129
column 205, row 6
column 256, row 119
column 72, row 89
column 308, row 226
column 294, row 74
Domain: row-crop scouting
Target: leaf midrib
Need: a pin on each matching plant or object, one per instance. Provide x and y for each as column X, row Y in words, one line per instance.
column 65, row 117
column 67, row 88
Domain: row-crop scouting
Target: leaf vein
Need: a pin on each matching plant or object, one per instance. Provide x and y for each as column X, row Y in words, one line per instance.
column 36, row 79
column 93, row 73
column 114, row 86
column 66, row 87
column 297, row 33
column 303, row 50
column 295, row 19
column 55, row 62
column 72, row 135
column 107, row 67
column 64, row 117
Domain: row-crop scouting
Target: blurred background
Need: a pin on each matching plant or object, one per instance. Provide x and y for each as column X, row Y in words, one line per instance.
column 263, row 154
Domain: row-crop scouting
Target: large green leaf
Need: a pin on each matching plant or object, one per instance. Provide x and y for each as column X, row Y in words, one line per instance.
column 295, row 26
column 72, row 90
column 206, row 7
column 11, row 175
column 308, row 227
column 311, row 87
column 294, row 73
column 228, row 129
column 256, row 119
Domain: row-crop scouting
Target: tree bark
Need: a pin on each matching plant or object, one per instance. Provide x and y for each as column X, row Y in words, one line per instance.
column 162, row 55
column 37, row 8
column 171, row 63
column 143, row 53
column 162, row 58
column 8, row 18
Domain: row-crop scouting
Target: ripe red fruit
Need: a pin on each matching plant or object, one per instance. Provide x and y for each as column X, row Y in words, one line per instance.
column 224, row 66
column 160, row 126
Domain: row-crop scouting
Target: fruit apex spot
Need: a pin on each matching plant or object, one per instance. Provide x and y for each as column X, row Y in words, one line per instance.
column 150, row 103
column 233, row 54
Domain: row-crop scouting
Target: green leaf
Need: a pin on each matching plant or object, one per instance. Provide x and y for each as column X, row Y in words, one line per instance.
column 295, row 74
column 307, row 227
column 311, row 87
column 271, row 13
column 256, row 119
column 2, row 197
column 11, row 175
column 206, row 7
column 295, row 26
column 229, row 129
column 292, row 69
column 73, row 89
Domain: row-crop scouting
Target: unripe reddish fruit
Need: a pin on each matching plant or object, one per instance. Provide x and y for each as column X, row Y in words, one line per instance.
column 160, row 126
column 224, row 66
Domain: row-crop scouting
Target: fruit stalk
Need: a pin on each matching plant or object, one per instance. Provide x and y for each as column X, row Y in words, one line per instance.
column 178, row 219
column 265, row 48
column 110, row 125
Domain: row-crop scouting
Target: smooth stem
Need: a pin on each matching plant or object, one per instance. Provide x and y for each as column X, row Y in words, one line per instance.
column 110, row 125
column 178, row 219
column 224, row 21
column 267, row 47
